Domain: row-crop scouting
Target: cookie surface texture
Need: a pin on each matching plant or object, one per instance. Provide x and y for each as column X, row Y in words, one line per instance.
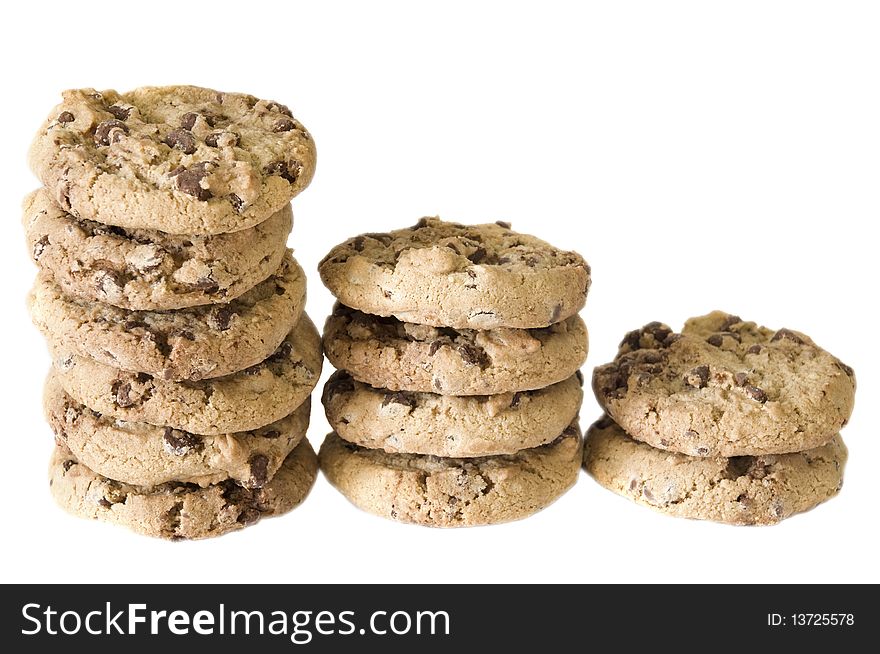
column 448, row 426
column 146, row 455
column 242, row 401
column 725, row 387
column 186, row 344
column 462, row 276
column 142, row 269
column 180, row 159
column 178, row 511
column 388, row 353
column 441, row 492
column 740, row 490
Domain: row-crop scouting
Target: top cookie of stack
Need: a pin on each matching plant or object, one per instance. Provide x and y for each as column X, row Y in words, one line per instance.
column 183, row 359
column 457, row 393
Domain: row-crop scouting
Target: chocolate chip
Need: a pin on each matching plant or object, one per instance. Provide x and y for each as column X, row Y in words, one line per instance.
column 515, row 400
column 729, row 322
column 286, row 170
column 755, row 393
column 715, row 339
column 67, row 465
column 477, row 255
column 281, row 354
column 280, row 108
column 740, row 379
column 189, row 181
column 220, row 318
column 207, row 285
column 633, row 340
column 236, row 202
column 754, row 349
column 213, row 139
column 698, row 377
column 400, row 397
column 738, row 466
column 283, row 125
column 120, row 113
column 181, row 443
column 503, row 223
column 188, row 120
column 110, row 131
column 788, row 335
column 249, row 516
column 182, row 140
column 436, row 345
column 40, row 247
column 339, row 382
column 122, row 394
column 474, row 355
column 65, row 117
column 846, row 369
column 358, row 243
column 259, row 464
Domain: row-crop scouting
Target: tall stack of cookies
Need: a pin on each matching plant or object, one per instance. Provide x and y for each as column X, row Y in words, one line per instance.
column 726, row 421
column 457, row 393
column 182, row 359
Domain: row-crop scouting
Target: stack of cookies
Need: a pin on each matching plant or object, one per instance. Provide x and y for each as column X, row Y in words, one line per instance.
column 458, row 390
column 182, row 359
column 726, row 421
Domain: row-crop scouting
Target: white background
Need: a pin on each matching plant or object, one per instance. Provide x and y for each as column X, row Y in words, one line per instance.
column 700, row 155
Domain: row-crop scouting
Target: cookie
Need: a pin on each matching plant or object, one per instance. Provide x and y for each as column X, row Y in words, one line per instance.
column 739, row 490
column 441, row 492
column 444, row 425
column 399, row 356
column 462, row 276
column 193, row 343
column 143, row 269
column 725, row 387
column 177, row 510
column 180, row 159
column 243, row 401
column 146, row 455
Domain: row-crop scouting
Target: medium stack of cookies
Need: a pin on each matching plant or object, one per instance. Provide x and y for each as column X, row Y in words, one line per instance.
column 456, row 397
column 183, row 361
column 726, row 421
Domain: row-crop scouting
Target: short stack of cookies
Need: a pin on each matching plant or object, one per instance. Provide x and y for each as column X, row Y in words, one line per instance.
column 183, row 361
column 457, row 393
column 726, row 421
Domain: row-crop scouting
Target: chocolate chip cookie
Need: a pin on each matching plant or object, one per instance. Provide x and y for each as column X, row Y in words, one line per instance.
column 440, row 492
column 451, row 275
column 243, row 401
column 193, row 343
column 725, row 387
column 178, row 510
column 443, row 425
column 399, row 356
column 146, row 455
column 738, row 490
column 180, row 159
column 142, row 269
